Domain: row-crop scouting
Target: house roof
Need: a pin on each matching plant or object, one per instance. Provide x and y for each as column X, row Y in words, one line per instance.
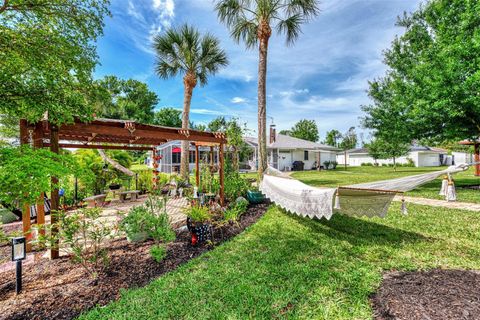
column 287, row 142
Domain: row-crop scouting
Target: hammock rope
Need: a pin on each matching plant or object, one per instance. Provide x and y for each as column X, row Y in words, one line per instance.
column 364, row 199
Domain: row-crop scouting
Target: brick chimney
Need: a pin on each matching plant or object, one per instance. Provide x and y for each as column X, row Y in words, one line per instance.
column 273, row 133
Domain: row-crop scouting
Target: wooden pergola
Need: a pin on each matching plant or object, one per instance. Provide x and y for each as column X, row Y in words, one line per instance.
column 108, row 134
column 476, row 147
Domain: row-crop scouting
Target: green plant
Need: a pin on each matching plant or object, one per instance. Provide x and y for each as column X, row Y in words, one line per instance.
column 326, row 164
column 84, row 236
column 158, row 252
column 334, row 164
column 198, row 213
column 235, row 185
column 3, row 236
column 236, row 210
column 149, row 219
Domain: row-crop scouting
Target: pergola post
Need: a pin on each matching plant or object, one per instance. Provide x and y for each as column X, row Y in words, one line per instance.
column 55, row 199
column 221, row 174
column 477, row 158
column 211, row 156
column 197, row 166
column 37, row 144
column 26, row 222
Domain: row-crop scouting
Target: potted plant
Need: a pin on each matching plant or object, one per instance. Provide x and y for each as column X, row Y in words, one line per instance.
column 198, row 218
column 254, row 196
column 115, row 184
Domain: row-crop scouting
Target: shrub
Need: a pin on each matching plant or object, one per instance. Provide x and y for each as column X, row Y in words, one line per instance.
column 334, row 164
column 235, row 186
column 326, row 164
column 158, row 252
column 82, row 234
column 235, row 211
column 197, row 213
column 149, row 220
column 410, row 163
column 3, row 236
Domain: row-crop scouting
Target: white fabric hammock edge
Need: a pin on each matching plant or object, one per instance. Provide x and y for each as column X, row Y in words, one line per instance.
column 307, row 201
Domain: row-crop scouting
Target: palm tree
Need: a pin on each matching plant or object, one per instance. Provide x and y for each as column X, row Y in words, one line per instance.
column 186, row 52
column 252, row 22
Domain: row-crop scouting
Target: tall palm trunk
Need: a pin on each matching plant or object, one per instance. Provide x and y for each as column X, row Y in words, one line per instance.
column 189, row 83
column 264, row 32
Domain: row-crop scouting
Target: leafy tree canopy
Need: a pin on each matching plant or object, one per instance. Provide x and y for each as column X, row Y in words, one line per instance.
column 48, row 53
column 387, row 149
column 124, row 99
column 168, row 117
column 349, row 140
column 333, row 138
column 217, row 124
column 305, row 129
column 433, row 74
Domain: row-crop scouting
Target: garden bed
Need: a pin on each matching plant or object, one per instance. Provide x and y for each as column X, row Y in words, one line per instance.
column 61, row 290
column 434, row 294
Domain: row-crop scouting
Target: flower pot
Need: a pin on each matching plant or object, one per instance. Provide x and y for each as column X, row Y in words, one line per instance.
column 115, row 186
column 255, row 197
column 137, row 237
column 200, row 231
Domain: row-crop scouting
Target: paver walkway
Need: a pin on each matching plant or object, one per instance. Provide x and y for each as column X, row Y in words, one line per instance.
column 441, row 203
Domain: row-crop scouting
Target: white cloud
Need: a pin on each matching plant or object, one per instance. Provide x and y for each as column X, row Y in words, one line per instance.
column 238, row 100
column 206, row 112
column 134, row 12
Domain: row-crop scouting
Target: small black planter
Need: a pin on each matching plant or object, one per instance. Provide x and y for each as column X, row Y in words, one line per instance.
column 201, row 232
column 114, row 186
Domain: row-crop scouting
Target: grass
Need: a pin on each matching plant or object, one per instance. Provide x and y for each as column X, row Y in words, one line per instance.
column 354, row 175
column 285, row 266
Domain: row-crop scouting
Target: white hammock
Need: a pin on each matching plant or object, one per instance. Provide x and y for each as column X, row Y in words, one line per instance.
column 370, row 199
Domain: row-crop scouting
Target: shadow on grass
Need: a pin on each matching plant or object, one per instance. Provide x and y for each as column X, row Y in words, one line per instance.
column 360, row 232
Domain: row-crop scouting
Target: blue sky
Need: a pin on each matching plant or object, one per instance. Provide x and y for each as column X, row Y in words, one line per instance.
column 322, row 77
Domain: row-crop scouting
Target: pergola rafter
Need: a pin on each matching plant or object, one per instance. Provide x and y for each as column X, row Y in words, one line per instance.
column 108, row 134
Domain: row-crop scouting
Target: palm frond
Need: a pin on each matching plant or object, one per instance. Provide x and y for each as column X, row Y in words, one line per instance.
column 245, row 30
column 307, row 8
column 291, row 27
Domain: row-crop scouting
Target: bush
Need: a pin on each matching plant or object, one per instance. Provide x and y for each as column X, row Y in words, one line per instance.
column 198, row 213
column 158, row 252
column 410, row 163
column 326, row 164
column 148, row 221
column 334, row 164
column 367, row 164
column 235, row 211
column 82, row 234
column 3, row 236
column 235, row 186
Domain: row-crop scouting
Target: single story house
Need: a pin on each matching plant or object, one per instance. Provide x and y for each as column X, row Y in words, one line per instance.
column 421, row 156
column 284, row 150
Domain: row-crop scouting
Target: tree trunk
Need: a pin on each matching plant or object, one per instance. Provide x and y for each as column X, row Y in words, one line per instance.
column 394, row 164
column 189, row 83
column 262, row 101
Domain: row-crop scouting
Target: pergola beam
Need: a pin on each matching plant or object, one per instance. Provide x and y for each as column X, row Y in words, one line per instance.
column 102, row 147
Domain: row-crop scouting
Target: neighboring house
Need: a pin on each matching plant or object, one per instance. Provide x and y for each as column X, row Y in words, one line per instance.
column 171, row 153
column 421, row 156
column 284, row 150
column 462, row 157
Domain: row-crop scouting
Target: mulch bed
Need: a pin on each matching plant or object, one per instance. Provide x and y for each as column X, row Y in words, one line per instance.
column 60, row 289
column 434, row 294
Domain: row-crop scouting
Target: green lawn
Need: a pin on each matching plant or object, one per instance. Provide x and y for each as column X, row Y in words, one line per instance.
column 353, row 175
column 290, row 267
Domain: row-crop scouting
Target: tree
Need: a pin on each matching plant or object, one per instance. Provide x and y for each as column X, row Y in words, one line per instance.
column 125, row 99
column 217, row 124
column 185, row 51
column 306, row 130
column 285, row 132
column 385, row 149
column 48, row 53
column 168, row 117
column 333, row 137
column 252, row 22
column 349, row 140
column 433, row 75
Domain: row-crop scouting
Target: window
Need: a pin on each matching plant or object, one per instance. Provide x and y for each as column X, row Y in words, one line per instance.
column 305, row 155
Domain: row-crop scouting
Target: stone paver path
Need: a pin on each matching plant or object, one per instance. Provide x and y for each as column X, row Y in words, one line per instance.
column 441, row 203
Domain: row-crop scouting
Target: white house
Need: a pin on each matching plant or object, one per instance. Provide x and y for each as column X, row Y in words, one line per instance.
column 462, row 157
column 421, row 156
column 284, row 150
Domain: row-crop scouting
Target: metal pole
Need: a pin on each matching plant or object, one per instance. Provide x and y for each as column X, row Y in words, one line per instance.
column 18, row 285
column 136, row 181
column 76, row 191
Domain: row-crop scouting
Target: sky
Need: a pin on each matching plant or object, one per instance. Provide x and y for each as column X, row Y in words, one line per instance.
column 323, row 76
